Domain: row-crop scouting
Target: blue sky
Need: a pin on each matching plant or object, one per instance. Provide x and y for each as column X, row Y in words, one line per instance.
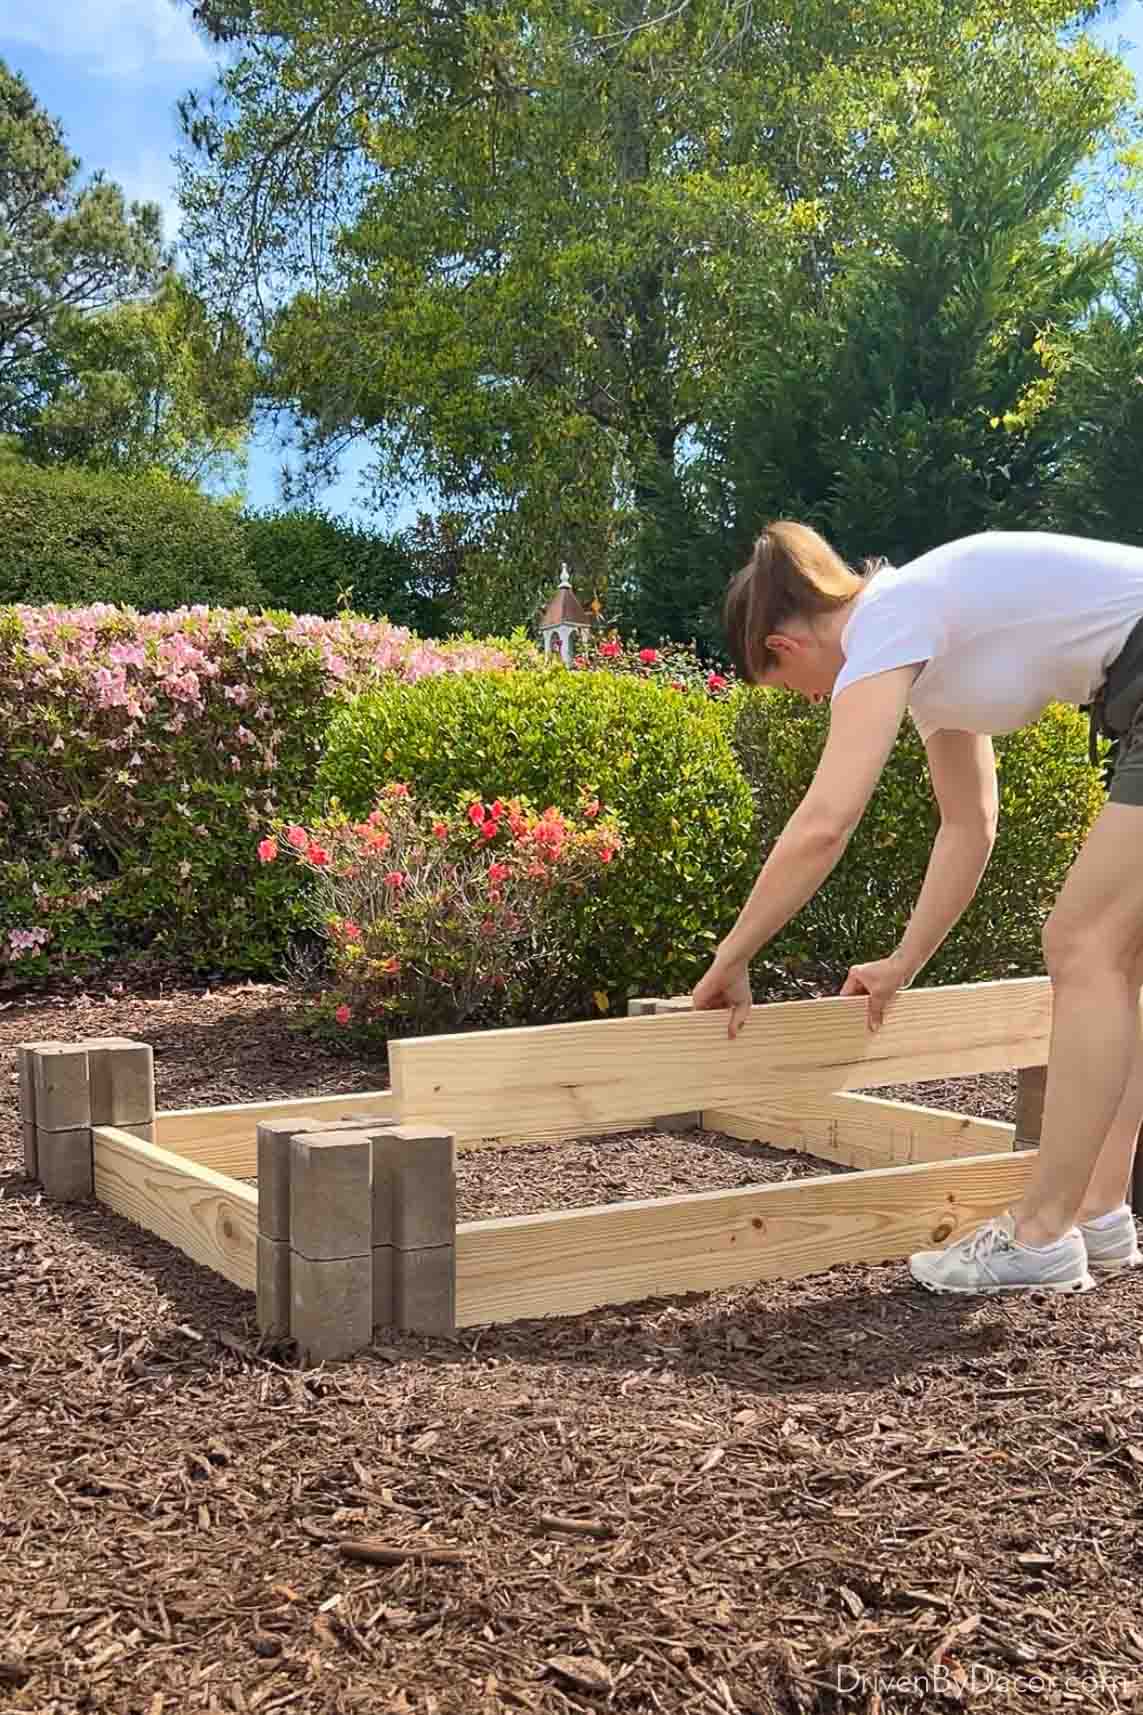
column 113, row 70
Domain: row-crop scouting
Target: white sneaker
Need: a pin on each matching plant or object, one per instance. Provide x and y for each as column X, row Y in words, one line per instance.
column 1112, row 1247
column 989, row 1260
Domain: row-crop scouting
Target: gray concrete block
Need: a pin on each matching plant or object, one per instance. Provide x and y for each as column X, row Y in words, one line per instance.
column 122, row 1080
column 62, row 1093
column 273, row 1286
column 414, row 1187
column 383, row 1304
column 331, row 1306
column 330, row 1197
column 65, row 1164
column 274, row 1137
column 424, row 1290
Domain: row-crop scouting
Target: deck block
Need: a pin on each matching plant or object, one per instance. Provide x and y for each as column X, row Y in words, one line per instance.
column 64, row 1164
column 25, row 1067
column 1031, row 1083
column 121, row 1075
column 331, row 1306
column 62, row 1088
column 274, row 1140
column 424, row 1290
column 414, row 1229
column 273, row 1286
column 330, row 1201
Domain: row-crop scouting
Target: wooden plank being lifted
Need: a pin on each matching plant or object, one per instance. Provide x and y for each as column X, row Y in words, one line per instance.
column 211, row 1218
column 579, row 1079
column 579, row 1259
column 864, row 1131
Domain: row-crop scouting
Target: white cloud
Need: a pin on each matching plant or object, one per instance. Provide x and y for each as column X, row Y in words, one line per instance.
column 149, row 176
column 113, row 38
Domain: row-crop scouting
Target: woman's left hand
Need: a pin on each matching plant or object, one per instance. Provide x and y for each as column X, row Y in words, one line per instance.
column 880, row 980
column 726, row 985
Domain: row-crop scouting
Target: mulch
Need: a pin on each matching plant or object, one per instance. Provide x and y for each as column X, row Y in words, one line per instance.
column 833, row 1494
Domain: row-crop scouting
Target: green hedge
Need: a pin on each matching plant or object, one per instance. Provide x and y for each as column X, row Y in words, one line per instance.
column 1049, row 797
column 660, row 761
column 76, row 537
column 309, row 562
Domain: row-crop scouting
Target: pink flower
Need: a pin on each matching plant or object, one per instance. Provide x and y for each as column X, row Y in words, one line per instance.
column 267, row 850
column 716, row 682
column 610, row 650
column 591, row 811
column 343, row 1015
column 394, row 879
column 476, row 814
column 497, row 810
column 397, row 790
column 440, row 829
column 351, row 931
column 648, row 657
column 318, row 856
column 606, row 853
column 497, row 872
column 490, row 829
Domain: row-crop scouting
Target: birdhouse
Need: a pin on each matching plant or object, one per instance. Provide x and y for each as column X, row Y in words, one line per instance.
column 564, row 616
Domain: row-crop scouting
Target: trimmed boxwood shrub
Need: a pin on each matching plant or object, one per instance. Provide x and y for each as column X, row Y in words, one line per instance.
column 661, row 762
column 1049, row 796
column 76, row 536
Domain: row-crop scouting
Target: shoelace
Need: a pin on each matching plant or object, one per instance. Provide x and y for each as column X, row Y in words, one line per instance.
column 985, row 1240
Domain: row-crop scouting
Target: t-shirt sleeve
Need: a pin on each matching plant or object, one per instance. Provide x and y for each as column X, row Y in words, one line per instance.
column 888, row 630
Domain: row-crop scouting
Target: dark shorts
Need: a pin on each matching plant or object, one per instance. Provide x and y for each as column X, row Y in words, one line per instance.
column 1121, row 718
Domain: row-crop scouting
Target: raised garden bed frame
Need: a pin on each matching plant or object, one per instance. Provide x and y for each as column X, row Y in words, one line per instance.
column 353, row 1223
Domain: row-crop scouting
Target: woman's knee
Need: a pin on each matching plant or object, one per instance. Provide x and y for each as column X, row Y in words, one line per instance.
column 1075, row 949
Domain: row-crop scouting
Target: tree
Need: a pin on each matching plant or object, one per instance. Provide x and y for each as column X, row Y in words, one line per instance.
column 64, row 248
column 156, row 384
column 521, row 249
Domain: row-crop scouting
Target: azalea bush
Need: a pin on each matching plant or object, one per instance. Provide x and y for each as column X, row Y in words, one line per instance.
column 661, row 761
column 444, row 920
column 675, row 667
column 139, row 754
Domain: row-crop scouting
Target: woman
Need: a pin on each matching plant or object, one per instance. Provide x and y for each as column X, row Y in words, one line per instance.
column 972, row 639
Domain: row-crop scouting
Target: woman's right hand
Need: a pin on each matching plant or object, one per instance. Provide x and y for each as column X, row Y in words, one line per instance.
column 880, row 980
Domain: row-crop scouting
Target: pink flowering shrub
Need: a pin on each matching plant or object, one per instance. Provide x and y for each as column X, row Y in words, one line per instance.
column 674, row 666
column 444, row 920
column 139, row 754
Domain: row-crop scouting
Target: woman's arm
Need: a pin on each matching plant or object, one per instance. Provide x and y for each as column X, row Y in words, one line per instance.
column 864, row 724
column 962, row 766
column 963, row 772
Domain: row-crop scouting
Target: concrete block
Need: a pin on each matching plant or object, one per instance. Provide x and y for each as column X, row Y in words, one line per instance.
column 122, row 1080
column 678, row 1122
column 331, row 1306
column 273, row 1286
column 414, row 1187
column 330, row 1198
column 274, row 1138
column 25, row 1065
column 31, row 1156
column 62, row 1093
column 424, row 1290
column 65, row 1164
column 1031, row 1082
column 383, row 1303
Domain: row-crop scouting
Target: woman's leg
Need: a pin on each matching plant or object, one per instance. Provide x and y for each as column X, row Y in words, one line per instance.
column 1093, row 944
column 1110, row 1184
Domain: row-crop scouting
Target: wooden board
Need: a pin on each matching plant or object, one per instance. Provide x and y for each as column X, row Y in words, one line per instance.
column 226, row 1138
column 213, row 1219
column 865, row 1131
column 580, row 1079
column 576, row 1260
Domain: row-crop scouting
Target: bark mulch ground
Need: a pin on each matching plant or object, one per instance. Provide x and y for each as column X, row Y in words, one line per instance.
column 815, row 1496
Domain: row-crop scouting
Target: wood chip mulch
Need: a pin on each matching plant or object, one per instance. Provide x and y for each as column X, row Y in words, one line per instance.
column 816, row 1496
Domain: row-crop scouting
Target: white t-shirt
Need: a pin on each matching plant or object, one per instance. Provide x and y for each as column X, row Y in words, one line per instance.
column 1005, row 622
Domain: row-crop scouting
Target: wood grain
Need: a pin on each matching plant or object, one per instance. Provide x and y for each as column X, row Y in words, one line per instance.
column 581, row 1079
column 576, row 1260
column 864, row 1131
column 212, row 1219
column 226, row 1138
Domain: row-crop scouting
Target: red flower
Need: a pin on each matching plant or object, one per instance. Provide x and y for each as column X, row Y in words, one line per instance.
column 676, row 685
column 591, row 811
column 390, row 967
column 648, row 657
column 394, row 879
column 610, row 650
column 343, row 1015
column 440, row 829
column 606, row 853
column 351, row 931
column 488, row 927
column 297, row 837
column 497, row 810
column 580, row 662
column 476, row 814
column 318, row 856
column 716, row 682
column 380, row 840
column 267, row 851
column 397, row 790
column 490, row 830
column 497, row 872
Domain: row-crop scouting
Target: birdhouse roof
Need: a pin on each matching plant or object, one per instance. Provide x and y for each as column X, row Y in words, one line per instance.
column 565, row 608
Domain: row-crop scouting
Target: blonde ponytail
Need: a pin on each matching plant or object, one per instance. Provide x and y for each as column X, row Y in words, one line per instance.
column 793, row 573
